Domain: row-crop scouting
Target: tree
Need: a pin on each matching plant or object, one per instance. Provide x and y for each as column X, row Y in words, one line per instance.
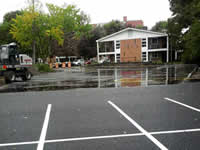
column 11, row 15
column 113, row 26
column 87, row 45
column 22, row 27
column 35, row 29
column 5, row 36
column 192, row 47
column 186, row 15
column 75, row 24
column 48, row 32
column 160, row 26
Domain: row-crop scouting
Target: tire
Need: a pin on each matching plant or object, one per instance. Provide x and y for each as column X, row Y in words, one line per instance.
column 27, row 76
column 10, row 76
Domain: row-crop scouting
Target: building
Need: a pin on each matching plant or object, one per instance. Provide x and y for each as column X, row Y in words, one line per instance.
column 132, row 23
column 133, row 45
column 127, row 23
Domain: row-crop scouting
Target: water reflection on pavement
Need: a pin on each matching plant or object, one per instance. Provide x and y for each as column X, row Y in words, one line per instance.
column 102, row 78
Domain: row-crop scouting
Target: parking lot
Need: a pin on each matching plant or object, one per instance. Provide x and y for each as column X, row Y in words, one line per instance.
column 142, row 118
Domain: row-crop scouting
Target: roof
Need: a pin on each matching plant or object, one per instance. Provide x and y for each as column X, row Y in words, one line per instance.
column 132, row 29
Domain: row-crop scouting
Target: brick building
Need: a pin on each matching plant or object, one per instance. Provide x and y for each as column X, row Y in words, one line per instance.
column 134, row 45
column 133, row 23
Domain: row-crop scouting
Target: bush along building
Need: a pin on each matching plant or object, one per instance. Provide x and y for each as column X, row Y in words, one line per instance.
column 134, row 45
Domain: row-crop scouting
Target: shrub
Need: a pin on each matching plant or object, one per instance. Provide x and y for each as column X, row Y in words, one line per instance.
column 43, row 68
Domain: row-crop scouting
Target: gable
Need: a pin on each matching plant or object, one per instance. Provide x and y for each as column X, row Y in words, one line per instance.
column 130, row 33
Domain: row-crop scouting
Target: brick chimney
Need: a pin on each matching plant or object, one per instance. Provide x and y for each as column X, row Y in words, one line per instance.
column 125, row 18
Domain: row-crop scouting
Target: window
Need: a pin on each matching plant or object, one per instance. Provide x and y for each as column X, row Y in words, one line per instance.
column 117, row 44
column 118, row 57
column 144, row 43
column 157, row 42
column 155, row 55
column 144, row 56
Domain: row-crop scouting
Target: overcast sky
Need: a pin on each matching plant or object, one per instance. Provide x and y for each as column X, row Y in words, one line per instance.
column 102, row 11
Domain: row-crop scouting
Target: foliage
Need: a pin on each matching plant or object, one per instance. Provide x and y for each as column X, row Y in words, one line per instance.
column 21, row 29
column 55, row 33
column 43, row 68
column 75, row 25
column 5, row 36
column 186, row 15
column 192, row 47
column 113, row 26
column 11, row 15
column 160, row 26
column 47, row 31
column 87, row 44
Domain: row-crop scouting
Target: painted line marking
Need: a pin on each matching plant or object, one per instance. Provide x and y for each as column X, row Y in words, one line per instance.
column 103, row 137
column 190, row 107
column 147, row 134
column 19, row 143
column 44, row 128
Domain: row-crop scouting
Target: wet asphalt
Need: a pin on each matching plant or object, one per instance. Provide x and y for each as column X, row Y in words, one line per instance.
column 85, row 112
column 103, row 77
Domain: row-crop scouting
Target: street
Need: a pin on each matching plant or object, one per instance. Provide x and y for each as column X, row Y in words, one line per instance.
column 141, row 118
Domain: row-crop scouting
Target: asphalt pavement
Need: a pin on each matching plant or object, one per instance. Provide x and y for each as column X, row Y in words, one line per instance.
column 139, row 118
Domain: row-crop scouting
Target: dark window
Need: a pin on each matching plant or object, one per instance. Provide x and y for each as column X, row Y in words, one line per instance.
column 144, row 43
column 157, row 43
column 117, row 44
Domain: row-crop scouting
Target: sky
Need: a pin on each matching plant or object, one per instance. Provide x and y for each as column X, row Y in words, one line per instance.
column 103, row 11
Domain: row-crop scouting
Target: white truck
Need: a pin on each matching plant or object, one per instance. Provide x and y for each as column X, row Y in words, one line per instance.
column 13, row 64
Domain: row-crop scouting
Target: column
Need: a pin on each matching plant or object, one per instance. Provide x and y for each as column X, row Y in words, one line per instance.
column 98, row 52
column 167, row 49
column 115, row 51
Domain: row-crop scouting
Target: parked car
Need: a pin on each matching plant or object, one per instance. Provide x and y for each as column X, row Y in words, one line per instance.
column 104, row 60
column 78, row 62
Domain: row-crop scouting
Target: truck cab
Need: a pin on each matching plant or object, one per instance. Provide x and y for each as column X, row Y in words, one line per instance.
column 13, row 64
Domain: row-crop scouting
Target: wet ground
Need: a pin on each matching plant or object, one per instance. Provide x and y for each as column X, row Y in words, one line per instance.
column 78, row 77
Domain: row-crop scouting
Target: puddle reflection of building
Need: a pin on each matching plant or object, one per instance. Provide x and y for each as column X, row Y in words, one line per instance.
column 131, row 78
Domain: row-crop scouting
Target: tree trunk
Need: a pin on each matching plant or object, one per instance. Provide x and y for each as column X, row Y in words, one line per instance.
column 34, row 51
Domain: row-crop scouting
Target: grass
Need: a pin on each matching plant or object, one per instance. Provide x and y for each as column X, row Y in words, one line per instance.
column 43, row 68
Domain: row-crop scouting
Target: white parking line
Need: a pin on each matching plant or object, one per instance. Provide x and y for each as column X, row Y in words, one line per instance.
column 44, row 128
column 19, row 143
column 102, row 137
column 147, row 134
column 190, row 107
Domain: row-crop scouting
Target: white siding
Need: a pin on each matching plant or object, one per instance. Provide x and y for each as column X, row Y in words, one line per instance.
column 130, row 34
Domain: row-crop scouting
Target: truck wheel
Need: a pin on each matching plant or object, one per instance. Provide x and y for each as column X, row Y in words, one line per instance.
column 27, row 76
column 10, row 76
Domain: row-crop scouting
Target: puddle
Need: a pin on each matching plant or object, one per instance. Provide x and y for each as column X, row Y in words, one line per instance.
column 103, row 78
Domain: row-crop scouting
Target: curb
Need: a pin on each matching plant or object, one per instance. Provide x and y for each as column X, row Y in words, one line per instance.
column 192, row 73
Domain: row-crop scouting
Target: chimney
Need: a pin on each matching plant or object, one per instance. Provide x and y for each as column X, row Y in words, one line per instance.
column 125, row 18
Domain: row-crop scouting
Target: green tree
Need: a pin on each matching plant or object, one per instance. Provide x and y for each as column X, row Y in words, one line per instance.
column 87, row 45
column 5, row 36
column 11, row 15
column 192, row 47
column 34, row 29
column 160, row 26
column 186, row 15
column 43, row 32
column 75, row 24
column 113, row 26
